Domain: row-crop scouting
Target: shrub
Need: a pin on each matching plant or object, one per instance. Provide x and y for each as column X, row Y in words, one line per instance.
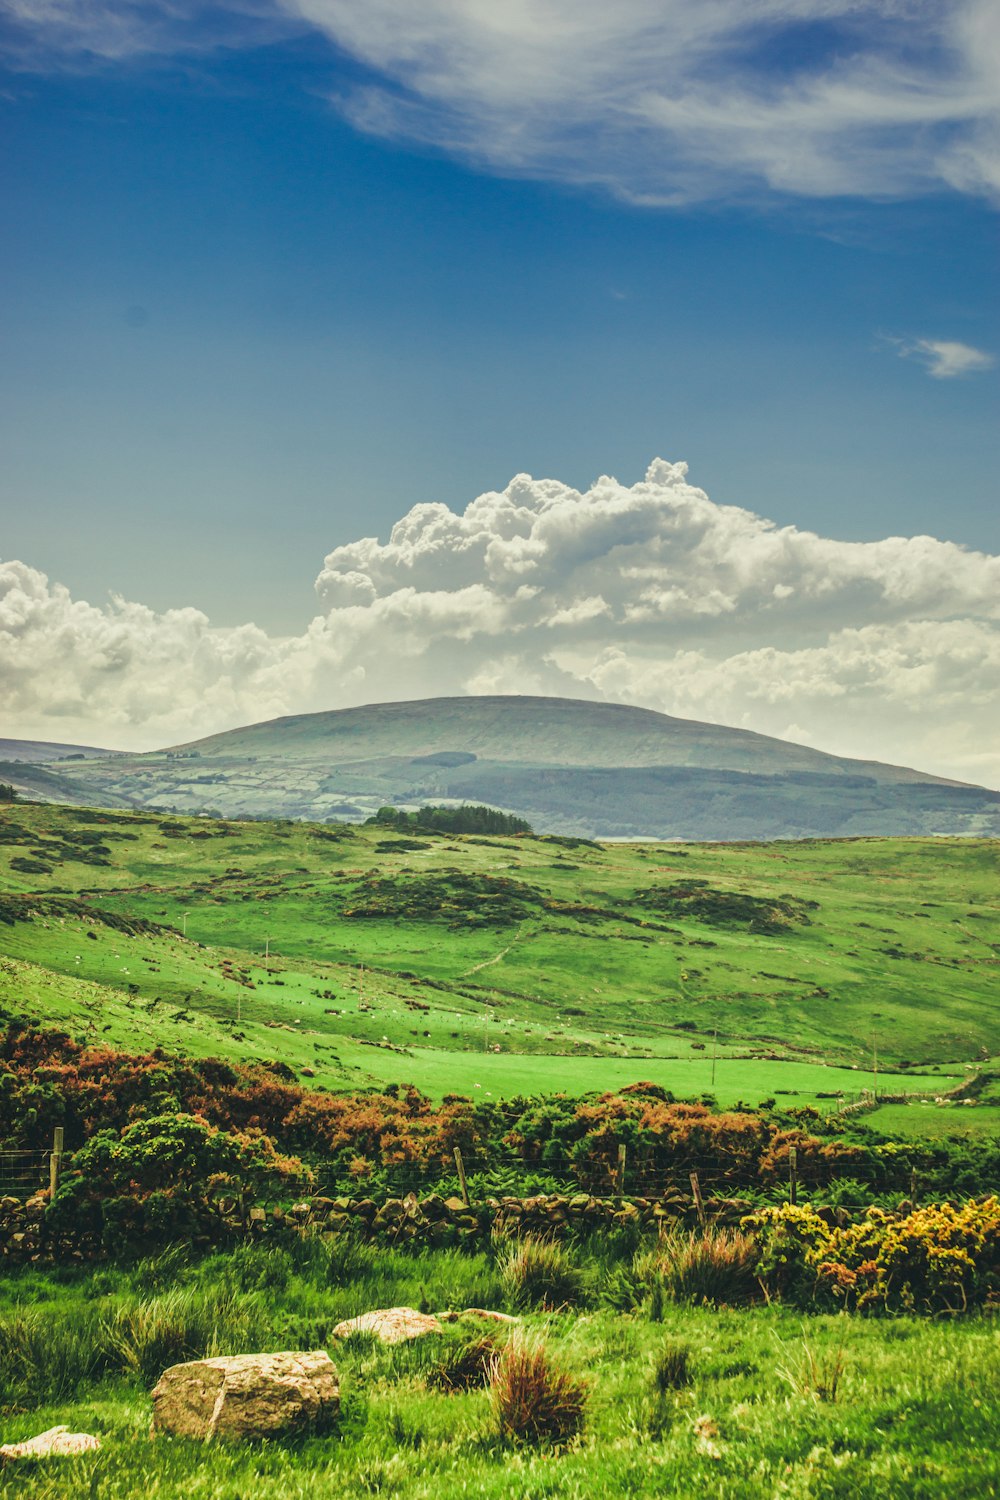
column 940, row 1258
column 534, row 1401
column 160, row 1177
column 539, row 1273
column 714, row 1265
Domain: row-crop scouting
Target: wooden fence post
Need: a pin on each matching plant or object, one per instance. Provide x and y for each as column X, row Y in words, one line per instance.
column 461, row 1176
column 793, row 1161
column 55, row 1159
column 620, row 1172
column 696, row 1194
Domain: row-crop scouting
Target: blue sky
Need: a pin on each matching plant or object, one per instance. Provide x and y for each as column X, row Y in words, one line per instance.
column 275, row 273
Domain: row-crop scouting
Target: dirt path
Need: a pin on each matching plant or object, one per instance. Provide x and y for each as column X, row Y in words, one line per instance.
column 494, row 960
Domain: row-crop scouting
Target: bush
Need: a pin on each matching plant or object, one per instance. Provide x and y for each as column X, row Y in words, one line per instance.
column 539, row 1273
column 160, row 1178
column 532, row 1400
column 714, row 1265
column 940, row 1258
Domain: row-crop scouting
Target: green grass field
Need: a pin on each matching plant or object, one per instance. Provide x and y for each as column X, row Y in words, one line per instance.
column 771, row 1402
column 512, row 965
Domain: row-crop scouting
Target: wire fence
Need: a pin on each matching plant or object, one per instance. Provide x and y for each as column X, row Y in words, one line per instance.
column 501, row 1174
column 23, row 1173
column 618, row 1170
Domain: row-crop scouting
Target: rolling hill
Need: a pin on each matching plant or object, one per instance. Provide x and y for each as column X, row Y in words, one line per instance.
column 512, row 965
column 588, row 769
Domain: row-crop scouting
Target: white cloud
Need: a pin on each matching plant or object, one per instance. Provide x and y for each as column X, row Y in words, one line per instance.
column 41, row 34
column 679, row 100
column 945, row 359
column 659, row 101
column 649, row 594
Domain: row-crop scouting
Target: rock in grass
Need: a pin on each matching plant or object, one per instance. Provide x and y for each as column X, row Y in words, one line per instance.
column 390, row 1324
column 57, row 1442
column 245, row 1396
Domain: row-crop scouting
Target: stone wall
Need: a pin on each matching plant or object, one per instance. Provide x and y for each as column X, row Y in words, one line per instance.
column 431, row 1220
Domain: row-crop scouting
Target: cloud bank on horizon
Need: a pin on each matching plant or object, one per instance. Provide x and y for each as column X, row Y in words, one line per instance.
column 657, row 101
column 650, row 594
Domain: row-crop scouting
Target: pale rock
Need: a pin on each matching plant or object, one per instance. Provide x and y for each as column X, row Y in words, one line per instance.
column 246, row 1396
column 390, row 1324
column 56, row 1442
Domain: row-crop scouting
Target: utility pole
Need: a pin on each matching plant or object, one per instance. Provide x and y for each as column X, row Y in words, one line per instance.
column 715, row 1048
column 184, row 923
column 486, row 1029
column 361, row 989
column 267, row 954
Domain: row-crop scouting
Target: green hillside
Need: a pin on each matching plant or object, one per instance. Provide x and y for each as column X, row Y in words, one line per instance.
column 599, row 770
column 519, row 964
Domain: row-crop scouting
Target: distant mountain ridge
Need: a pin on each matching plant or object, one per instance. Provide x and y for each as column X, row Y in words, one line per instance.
column 571, row 766
column 537, row 730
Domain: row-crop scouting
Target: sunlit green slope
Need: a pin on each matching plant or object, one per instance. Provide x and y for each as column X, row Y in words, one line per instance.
column 517, row 964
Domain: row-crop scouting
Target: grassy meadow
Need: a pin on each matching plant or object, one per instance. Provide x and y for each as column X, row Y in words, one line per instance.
column 510, row 965
column 678, row 1399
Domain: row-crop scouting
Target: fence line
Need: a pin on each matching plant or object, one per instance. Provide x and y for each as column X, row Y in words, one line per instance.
column 23, row 1172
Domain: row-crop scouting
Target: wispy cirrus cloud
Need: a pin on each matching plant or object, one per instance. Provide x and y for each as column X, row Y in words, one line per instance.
column 657, row 101
column 648, row 594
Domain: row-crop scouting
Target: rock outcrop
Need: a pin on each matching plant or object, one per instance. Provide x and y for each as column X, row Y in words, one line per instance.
column 245, row 1396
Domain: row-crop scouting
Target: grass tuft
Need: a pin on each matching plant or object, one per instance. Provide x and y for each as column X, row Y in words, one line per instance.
column 539, row 1273
column 711, row 1265
column 533, row 1400
column 672, row 1369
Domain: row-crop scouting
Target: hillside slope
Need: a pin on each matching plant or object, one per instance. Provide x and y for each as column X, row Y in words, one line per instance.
column 533, row 731
column 600, row 770
column 515, row 964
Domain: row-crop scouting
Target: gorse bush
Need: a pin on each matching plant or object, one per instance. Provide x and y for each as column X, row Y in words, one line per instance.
column 713, row 1264
column 540, row 1273
column 940, row 1258
column 160, row 1177
column 363, row 1136
column 534, row 1401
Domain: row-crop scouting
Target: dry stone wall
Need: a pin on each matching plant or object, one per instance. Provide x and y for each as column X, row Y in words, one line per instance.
column 430, row 1221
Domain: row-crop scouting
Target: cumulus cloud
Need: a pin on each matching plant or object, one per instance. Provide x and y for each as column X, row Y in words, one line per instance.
column 648, row 594
column 945, row 359
column 659, row 101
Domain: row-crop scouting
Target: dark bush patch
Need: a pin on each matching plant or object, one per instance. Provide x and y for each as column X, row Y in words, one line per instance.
column 700, row 902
